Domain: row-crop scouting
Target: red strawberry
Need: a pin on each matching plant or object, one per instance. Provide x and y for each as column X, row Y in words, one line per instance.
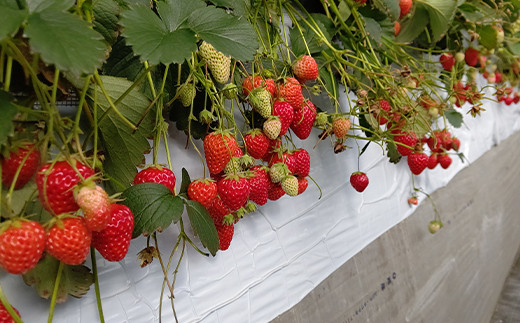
column 405, row 138
column 417, row 162
column 95, row 204
column 285, row 112
column 291, row 91
column 5, row 317
column 306, row 68
column 471, row 56
column 361, row 2
column 445, row 160
column 21, row 246
column 432, row 161
column 234, row 191
column 455, row 144
column 219, row 147
column 302, row 185
column 259, row 184
column 382, row 114
column 274, row 144
column 55, row 184
column 303, row 162
column 218, row 211
column 156, row 174
column 248, row 84
column 359, row 181
column 69, row 241
column 304, row 120
column 285, row 158
column 509, row 100
column 256, row 143
column 225, row 235
column 272, row 127
column 447, row 61
column 405, row 6
column 413, row 200
column 397, row 28
column 340, row 127
column 498, row 77
column 203, row 190
column 275, row 191
column 28, row 164
column 113, row 241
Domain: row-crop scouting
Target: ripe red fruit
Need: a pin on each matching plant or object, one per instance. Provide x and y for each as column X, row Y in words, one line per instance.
column 275, row 191
column 21, row 246
column 340, row 127
column 95, row 204
column 413, row 200
column 291, row 91
column 113, row 241
column 359, row 181
column 417, row 162
column 304, row 120
column 455, row 144
column 234, row 191
column 285, row 112
column 383, row 112
column 498, row 77
column 273, row 146
column 432, row 161
column 156, row 174
column 302, row 162
column 397, row 28
column 256, row 143
column 5, row 317
column 56, row 182
column 302, row 185
column 444, row 160
column 218, row 211
column 285, row 158
column 471, row 56
column 361, row 2
column 405, row 138
column 225, row 235
column 203, row 190
column 447, row 61
column 69, row 241
column 405, row 6
column 248, row 84
column 259, row 185
column 509, row 100
column 28, row 164
column 306, row 68
column 219, row 147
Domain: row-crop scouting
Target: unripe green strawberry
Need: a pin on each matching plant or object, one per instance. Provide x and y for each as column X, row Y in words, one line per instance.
column 272, row 127
column 260, row 100
column 321, row 119
column 113, row 241
column 340, row 127
column 306, row 68
column 218, row 63
column 69, row 241
column 233, row 166
column 290, row 185
column 277, row 172
column 187, row 93
column 434, row 226
column 21, row 246
column 95, row 204
column 230, row 91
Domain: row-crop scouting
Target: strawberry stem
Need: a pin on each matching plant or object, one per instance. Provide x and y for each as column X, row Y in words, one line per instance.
column 96, row 284
column 55, row 291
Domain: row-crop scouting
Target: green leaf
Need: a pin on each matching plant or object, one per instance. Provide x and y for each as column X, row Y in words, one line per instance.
column 313, row 41
column 75, row 280
column 239, row 7
column 7, row 111
column 331, row 84
column 389, row 7
column 203, row 225
column 454, row 117
column 106, row 19
column 175, row 13
column 124, row 148
column 392, row 153
column 227, row 33
column 185, row 181
column 412, row 27
column 375, row 29
column 155, row 40
column 41, row 5
column 66, row 41
column 344, row 10
column 122, row 61
column 488, row 36
column 441, row 14
column 154, row 207
column 12, row 18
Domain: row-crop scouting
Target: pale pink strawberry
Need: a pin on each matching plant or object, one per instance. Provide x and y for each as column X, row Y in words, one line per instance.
column 95, row 205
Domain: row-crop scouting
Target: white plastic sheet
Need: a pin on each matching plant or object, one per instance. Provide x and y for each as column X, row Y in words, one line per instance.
column 279, row 253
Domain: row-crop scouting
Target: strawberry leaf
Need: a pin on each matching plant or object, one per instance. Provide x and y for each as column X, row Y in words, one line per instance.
column 203, row 225
column 454, row 117
column 412, row 27
column 185, row 181
column 389, row 6
column 41, row 5
column 154, row 207
column 12, row 18
column 7, row 111
column 63, row 39
column 392, row 153
column 106, row 19
column 124, row 148
column 226, row 32
column 306, row 36
column 441, row 14
column 75, row 280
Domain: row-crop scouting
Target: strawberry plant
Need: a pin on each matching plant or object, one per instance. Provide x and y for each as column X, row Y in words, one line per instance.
column 90, row 89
